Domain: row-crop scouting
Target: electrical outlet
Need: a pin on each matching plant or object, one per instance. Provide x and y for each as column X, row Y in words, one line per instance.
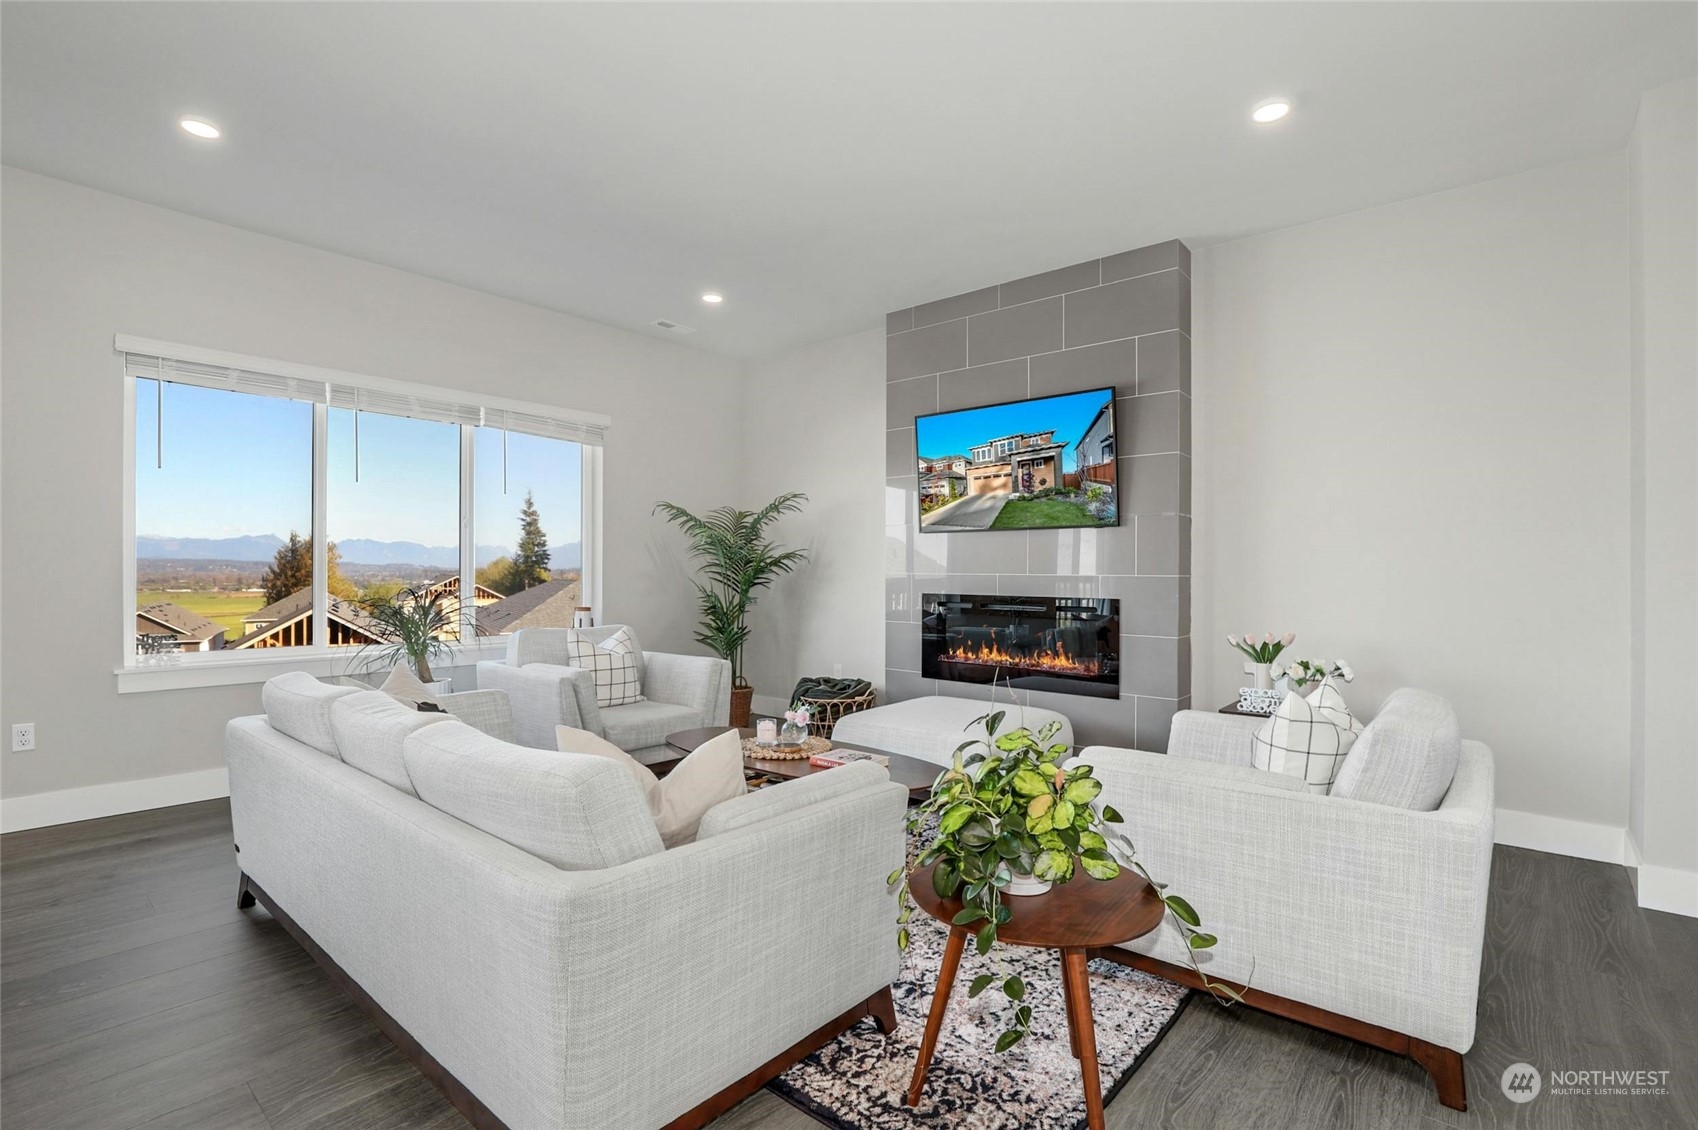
column 23, row 737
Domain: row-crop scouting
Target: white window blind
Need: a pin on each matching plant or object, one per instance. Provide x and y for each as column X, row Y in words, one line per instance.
column 342, row 390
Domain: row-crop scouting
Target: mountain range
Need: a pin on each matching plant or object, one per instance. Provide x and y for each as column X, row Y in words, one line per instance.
column 354, row 551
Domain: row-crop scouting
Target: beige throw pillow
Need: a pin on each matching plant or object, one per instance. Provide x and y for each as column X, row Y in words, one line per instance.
column 404, row 687
column 711, row 774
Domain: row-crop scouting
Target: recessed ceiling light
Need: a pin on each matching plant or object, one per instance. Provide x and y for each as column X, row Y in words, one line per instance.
column 1271, row 111
column 206, row 131
column 713, row 299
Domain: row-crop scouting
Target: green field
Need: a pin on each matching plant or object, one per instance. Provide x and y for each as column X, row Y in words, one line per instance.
column 226, row 608
column 1035, row 513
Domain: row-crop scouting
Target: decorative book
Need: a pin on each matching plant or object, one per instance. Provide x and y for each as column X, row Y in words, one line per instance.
column 838, row 757
column 1252, row 700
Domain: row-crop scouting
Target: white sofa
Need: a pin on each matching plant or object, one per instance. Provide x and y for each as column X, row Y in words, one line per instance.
column 680, row 692
column 932, row 727
column 1362, row 911
column 510, row 917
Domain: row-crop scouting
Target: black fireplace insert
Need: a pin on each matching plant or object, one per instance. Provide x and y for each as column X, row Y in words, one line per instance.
column 1069, row 645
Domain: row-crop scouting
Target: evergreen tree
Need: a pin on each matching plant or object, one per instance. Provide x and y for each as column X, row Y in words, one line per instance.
column 290, row 571
column 530, row 560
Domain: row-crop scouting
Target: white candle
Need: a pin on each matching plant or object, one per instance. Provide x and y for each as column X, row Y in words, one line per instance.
column 766, row 730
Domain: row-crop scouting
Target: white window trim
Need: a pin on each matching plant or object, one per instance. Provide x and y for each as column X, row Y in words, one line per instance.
column 219, row 668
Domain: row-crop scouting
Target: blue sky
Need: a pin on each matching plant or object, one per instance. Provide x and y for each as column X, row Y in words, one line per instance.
column 956, row 432
column 238, row 464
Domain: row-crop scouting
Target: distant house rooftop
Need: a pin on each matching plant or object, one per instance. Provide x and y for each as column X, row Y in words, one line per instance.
column 179, row 621
column 287, row 623
column 548, row 605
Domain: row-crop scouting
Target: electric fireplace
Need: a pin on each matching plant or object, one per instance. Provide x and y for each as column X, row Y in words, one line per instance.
column 1069, row 645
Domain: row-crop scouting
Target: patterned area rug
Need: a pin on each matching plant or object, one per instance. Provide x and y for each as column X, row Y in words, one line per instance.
column 858, row 1081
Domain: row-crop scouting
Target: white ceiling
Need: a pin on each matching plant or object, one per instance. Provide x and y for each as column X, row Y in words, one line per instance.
column 819, row 164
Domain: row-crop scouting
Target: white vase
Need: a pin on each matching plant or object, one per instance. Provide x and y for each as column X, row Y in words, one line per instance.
column 1263, row 673
column 1019, row 884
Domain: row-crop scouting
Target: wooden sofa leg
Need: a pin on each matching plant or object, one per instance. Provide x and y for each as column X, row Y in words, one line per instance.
column 881, row 1006
column 244, row 897
column 1445, row 1066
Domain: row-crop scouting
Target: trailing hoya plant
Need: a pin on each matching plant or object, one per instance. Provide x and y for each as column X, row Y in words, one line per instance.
column 1006, row 808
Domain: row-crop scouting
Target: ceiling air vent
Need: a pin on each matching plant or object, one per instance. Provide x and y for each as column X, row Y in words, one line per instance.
column 672, row 327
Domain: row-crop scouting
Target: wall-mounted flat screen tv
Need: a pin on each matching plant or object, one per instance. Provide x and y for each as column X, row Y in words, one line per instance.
column 1029, row 464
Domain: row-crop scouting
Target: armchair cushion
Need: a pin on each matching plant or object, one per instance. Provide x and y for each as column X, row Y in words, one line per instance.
column 1407, row 756
column 549, row 645
column 640, row 725
column 579, row 813
column 298, row 705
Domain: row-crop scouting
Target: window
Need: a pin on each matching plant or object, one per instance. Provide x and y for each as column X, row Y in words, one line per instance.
column 223, row 546
column 241, row 465
column 528, row 526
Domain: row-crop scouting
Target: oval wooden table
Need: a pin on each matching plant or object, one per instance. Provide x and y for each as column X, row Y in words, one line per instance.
column 1074, row 918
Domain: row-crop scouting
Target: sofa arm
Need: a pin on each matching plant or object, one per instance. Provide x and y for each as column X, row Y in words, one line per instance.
column 487, row 710
column 1372, row 912
column 1204, row 735
column 543, row 696
column 700, row 682
column 748, row 942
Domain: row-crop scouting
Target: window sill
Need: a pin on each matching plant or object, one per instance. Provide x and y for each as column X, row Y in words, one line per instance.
column 214, row 670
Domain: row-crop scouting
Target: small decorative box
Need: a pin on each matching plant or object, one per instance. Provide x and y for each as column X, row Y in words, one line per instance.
column 1253, row 701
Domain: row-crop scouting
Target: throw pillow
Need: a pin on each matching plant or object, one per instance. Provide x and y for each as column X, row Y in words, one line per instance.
column 613, row 661
column 1307, row 738
column 404, row 687
column 710, row 775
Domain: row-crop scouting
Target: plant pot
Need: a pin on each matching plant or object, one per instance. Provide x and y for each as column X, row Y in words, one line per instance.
column 1019, row 884
column 741, row 700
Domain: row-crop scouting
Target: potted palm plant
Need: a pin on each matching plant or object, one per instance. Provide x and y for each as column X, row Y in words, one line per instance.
column 413, row 627
column 737, row 560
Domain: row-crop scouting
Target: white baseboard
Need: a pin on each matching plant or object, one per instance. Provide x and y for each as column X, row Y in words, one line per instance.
column 1601, row 842
column 1669, row 889
column 66, row 806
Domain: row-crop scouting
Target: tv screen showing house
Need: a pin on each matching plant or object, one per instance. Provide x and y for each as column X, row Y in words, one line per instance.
column 1028, row 464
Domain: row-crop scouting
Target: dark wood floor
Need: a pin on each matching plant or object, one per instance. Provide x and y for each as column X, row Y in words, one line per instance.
column 133, row 994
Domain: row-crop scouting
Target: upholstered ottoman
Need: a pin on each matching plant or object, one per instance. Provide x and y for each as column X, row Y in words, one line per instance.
column 932, row 727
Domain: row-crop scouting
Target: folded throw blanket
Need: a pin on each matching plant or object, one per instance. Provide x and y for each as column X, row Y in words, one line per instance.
column 819, row 687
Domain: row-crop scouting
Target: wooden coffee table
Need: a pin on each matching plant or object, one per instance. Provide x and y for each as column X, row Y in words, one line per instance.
column 1074, row 918
column 911, row 773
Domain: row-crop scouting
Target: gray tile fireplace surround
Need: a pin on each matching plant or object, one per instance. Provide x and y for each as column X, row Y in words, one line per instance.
column 1125, row 321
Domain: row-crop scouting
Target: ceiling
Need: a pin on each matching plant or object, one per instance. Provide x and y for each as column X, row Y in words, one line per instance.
column 818, row 163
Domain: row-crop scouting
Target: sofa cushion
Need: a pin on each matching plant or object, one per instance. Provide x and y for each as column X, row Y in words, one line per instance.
column 298, row 705
column 1307, row 738
column 640, row 725
column 577, row 812
column 932, row 727
column 613, row 662
column 1406, row 756
column 790, row 796
column 370, row 728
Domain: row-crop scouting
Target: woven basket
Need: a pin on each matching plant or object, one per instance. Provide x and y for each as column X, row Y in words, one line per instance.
column 824, row 713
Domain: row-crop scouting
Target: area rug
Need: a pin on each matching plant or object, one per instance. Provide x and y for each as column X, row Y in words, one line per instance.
column 858, row 1081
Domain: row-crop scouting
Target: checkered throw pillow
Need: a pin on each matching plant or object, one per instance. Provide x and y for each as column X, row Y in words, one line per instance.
column 1307, row 738
column 614, row 662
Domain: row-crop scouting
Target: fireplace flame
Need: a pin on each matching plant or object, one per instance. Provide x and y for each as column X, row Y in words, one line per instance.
column 1055, row 658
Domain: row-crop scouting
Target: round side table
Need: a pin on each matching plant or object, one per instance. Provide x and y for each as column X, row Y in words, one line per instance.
column 1072, row 917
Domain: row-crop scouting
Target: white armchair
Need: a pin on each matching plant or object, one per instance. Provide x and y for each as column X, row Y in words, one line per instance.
column 680, row 692
column 1355, row 913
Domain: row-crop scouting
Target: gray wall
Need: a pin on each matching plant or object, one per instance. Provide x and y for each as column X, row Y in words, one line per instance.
column 1125, row 321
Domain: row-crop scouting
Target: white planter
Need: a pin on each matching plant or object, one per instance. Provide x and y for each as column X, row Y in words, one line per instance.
column 1263, row 673
column 1019, row 884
